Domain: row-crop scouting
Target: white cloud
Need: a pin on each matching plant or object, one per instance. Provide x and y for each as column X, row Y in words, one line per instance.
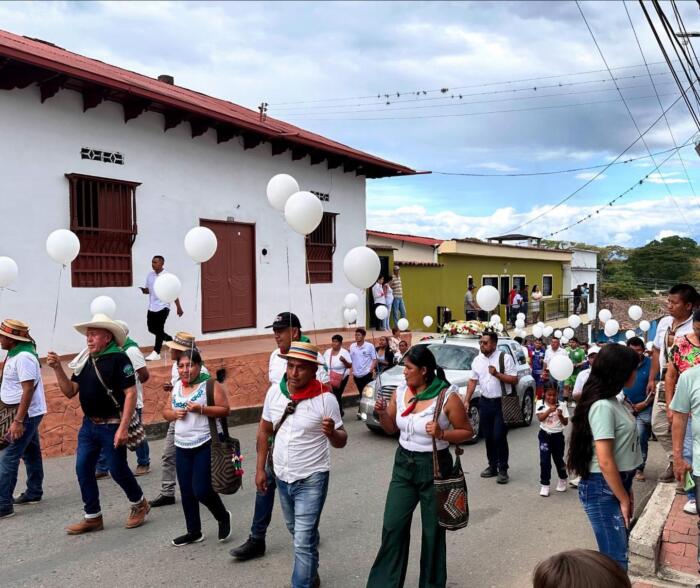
column 495, row 166
column 590, row 176
column 659, row 178
column 669, row 233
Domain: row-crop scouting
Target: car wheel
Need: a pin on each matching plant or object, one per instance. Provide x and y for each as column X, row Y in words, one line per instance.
column 476, row 423
column 528, row 407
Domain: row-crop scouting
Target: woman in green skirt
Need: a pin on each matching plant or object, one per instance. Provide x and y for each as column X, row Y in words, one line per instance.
column 411, row 412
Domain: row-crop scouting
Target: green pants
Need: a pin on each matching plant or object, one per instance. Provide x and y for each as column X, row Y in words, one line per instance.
column 411, row 483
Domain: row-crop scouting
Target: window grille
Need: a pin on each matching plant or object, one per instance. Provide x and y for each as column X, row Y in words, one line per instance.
column 320, row 246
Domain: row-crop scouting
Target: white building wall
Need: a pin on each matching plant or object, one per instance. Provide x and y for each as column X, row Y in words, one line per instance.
column 405, row 250
column 584, row 266
column 183, row 180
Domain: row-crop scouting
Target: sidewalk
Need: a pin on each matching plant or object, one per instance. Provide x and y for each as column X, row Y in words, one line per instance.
column 679, row 543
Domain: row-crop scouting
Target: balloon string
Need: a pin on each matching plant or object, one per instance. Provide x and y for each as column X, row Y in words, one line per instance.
column 58, row 298
column 313, row 321
column 196, row 289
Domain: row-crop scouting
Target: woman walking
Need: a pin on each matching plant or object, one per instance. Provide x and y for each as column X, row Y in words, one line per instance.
column 535, row 297
column 339, row 362
column 604, row 450
column 411, row 412
column 191, row 414
column 385, row 356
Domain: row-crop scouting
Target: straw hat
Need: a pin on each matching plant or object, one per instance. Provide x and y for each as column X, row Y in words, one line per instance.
column 16, row 330
column 303, row 351
column 183, row 341
column 102, row 321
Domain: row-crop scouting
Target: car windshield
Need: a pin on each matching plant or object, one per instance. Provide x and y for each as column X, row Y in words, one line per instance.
column 452, row 357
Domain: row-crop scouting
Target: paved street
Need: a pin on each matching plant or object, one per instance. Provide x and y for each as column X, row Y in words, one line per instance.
column 511, row 527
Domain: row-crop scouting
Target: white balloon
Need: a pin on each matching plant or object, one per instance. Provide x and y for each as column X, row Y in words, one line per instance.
column 495, row 319
column 568, row 332
column 362, row 266
column 537, row 331
column 629, row 334
column 103, row 305
column 8, row 271
column 621, row 343
column 381, row 312
column 520, row 316
column 540, row 324
column 561, row 367
column 635, row 312
column 574, row 321
column 487, row 297
column 200, row 244
column 520, row 324
column 428, row 321
column 402, row 324
column 63, row 246
column 605, row 315
column 167, row 287
column 279, row 189
column 650, row 345
column 558, row 333
column 350, row 315
column 564, row 340
column 611, row 328
column 351, row 300
column 303, row 212
column 547, row 331
column 644, row 326
column 498, row 327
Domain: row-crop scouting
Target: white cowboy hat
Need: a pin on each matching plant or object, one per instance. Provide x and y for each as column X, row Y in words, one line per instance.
column 102, row 321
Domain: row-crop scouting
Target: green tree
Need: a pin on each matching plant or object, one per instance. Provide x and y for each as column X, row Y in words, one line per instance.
column 671, row 259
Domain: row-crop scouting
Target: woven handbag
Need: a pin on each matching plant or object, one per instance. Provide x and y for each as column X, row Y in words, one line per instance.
column 7, row 415
column 510, row 403
column 451, row 494
column 225, row 478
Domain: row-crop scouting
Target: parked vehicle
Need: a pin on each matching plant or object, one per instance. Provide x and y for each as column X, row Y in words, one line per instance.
column 454, row 354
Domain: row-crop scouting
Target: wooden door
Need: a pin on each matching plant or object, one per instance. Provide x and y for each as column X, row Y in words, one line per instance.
column 228, row 278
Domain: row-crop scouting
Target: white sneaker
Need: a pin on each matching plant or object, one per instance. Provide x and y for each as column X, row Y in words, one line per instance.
column 561, row 485
column 573, row 482
column 691, row 507
column 153, row 356
column 544, row 491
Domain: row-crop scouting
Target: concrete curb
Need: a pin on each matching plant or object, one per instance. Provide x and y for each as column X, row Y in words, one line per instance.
column 645, row 539
column 676, row 578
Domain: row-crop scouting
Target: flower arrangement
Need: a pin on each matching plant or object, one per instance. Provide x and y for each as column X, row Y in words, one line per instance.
column 237, row 460
column 464, row 327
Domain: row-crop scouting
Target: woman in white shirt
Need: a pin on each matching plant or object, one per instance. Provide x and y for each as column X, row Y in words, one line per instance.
column 338, row 361
column 191, row 413
column 411, row 412
column 379, row 299
column 535, row 297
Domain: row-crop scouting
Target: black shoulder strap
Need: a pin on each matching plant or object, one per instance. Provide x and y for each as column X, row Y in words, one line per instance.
column 212, row 421
column 502, row 369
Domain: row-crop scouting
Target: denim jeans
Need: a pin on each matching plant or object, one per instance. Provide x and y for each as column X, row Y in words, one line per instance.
column 605, row 516
column 688, row 451
column 143, row 454
column 27, row 447
column 264, row 503
column 194, row 477
column 643, row 420
column 302, row 502
column 495, row 433
column 92, row 440
column 398, row 308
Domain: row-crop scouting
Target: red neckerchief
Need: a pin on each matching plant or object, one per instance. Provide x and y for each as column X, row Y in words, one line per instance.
column 313, row 389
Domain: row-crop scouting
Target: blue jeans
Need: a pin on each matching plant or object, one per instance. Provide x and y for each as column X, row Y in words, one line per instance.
column 643, row 420
column 398, row 308
column 264, row 503
column 93, row 439
column 605, row 516
column 27, row 447
column 143, row 454
column 302, row 502
column 495, row 433
column 688, row 451
column 194, row 477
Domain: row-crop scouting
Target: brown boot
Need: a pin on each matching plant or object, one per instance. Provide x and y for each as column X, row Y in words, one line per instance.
column 86, row 526
column 138, row 514
column 667, row 476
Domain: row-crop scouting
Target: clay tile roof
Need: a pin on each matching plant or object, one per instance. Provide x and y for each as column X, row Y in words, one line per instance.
column 408, row 238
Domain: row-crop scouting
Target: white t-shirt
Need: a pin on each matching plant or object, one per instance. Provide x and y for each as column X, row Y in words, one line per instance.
column 378, row 294
column 662, row 328
column 155, row 304
column 193, row 430
column 23, row 367
column 362, row 358
column 333, row 361
column 301, row 448
column 277, row 367
column 490, row 386
column 550, row 353
column 581, row 380
column 552, row 424
column 517, row 301
column 138, row 361
column 413, row 436
column 175, row 376
column 389, row 296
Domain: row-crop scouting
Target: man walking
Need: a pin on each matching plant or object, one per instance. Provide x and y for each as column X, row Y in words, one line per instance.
column 398, row 309
column 470, row 307
column 23, row 388
column 640, row 402
column 680, row 302
column 554, row 349
column 158, row 310
column 303, row 424
column 106, row 386
column 364, row 360
column 515, row 305
column 287, row 330
column 492, row 383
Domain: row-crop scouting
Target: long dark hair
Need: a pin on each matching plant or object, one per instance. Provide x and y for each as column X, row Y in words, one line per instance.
column 611, row 370
column 422, row 357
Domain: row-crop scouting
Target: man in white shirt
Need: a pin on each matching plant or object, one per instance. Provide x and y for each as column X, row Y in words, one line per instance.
column 22, row 387
column 303, row 423
column 582, row 377
column 158, row 310
column 487, row 373
column 364, row 360
column 682, row 298
column 554, row 348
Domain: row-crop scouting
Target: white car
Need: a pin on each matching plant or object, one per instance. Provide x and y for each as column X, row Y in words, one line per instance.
column 454, row 354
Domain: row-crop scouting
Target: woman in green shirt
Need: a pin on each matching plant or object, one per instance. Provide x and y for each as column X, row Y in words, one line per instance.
column 604, row 450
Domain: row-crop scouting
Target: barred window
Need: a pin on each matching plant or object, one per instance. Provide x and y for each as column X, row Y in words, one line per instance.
column 320, row 247
column 103, row 216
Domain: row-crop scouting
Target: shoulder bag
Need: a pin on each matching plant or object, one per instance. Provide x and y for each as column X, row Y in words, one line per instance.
column 225, row 453
column 290, row 408
column 135, row 432
column 451, row 495
column 510, row 403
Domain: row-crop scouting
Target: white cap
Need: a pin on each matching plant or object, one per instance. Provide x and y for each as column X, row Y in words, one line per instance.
column 593, row 349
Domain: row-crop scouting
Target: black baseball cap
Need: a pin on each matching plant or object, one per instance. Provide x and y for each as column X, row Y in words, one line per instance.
column 284, row 320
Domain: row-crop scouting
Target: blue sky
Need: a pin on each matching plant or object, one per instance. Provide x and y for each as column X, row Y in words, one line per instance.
column 342, row 55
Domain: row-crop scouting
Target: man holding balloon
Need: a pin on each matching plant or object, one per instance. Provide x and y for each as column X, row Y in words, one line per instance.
column 158, row 310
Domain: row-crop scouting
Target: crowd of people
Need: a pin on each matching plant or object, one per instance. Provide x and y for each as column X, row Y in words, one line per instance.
column 614, row 400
